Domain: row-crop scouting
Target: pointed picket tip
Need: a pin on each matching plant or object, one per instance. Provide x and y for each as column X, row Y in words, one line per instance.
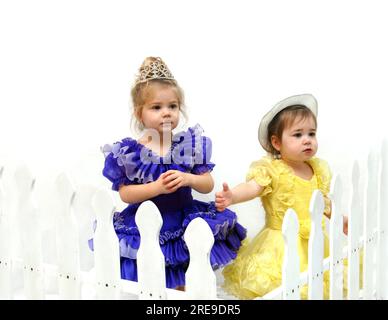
column 336, row 186
column 103, row 205
column 148, row 216
column 196, row 227
column 82, row 201
column 336, row 191
column 317, row 204
column 290, row 222
column 24, row 180
column 65, row 188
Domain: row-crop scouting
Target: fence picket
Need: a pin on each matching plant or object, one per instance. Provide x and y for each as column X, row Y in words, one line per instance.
column 150, row 259
column 67, row 241
column 85, row 216
column 30, row 235
column 336, row 241
column 354, row 228
column 5, row 251
column 106, row 248
column 291, row 265
column 315, row 248
column 382, row 251
column 200, row 278
column 370, row 223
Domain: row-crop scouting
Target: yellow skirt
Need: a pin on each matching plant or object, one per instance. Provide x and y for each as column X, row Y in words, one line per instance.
column 257, row 270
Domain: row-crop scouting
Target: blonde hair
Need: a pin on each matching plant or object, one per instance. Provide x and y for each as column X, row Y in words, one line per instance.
column 284, row 119
column 141, row 90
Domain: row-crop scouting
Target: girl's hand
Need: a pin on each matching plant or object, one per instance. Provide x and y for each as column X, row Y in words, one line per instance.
column 172, row 180
column 160, row 185
column 223, row 198
column 345, row 225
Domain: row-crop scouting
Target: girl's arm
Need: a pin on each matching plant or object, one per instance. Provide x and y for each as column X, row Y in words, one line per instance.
column 241, row 193
column 202, row 183
column 344, row 217
column 175, row 179
column 168, row 182
column 138, row 192
column 328, row 204
column 135, row 193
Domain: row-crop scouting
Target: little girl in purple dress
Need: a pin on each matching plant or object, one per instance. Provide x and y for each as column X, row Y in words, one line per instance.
column 164, row 169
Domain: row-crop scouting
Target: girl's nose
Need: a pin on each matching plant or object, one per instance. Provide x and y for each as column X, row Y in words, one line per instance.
column 307, row 140
column 166, row 112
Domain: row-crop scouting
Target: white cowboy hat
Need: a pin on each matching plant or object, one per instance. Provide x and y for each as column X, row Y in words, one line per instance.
column 306, row 100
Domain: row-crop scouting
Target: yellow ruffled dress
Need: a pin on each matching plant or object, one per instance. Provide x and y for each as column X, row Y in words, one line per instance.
column 257, row 270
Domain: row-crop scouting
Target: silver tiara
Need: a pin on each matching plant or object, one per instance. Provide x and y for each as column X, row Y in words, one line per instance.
column 155, row 70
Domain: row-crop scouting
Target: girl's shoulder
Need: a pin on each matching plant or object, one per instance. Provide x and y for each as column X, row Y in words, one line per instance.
column 192, row 150
column 192, row 142
column 264, row 170
column 273, row 166
column 320, row 166
column 189, row 135
column 123, row 146
column 322, row 172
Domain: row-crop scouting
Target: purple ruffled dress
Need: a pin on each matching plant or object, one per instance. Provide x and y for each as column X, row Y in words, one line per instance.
column 129, row 162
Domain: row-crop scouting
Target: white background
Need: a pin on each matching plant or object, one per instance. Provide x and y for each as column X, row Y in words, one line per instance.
column 66, row 68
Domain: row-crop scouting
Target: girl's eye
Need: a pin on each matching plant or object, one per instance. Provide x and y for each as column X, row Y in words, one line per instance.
column 298, row 135
column 312, row 134
column 155, row 107
column 173, row 106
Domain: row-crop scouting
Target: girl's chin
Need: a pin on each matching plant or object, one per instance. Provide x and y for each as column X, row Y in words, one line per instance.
column 303, row 157
column 167, row 127
column 308, row 156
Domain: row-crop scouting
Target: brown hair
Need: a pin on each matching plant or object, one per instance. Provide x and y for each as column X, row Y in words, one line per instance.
column 283, row 120
column 140, row 93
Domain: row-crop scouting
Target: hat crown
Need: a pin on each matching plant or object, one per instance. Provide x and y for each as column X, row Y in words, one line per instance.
column 307, row 100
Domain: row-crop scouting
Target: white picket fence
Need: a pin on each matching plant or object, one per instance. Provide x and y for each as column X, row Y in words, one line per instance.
column 25, row 272
column 64, row 279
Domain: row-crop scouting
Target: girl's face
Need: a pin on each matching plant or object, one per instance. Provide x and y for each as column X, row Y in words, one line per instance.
column 161, row 109
column 299, row 142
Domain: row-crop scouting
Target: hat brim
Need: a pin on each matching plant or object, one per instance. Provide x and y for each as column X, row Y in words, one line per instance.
column 306, row 100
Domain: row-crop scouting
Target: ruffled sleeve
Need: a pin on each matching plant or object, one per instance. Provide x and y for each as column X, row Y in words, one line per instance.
column 202, row 157
column 260, row 172
column 115, row 156
column 199, row 149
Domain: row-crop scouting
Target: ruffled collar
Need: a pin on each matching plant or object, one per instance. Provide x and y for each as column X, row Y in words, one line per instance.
column 286, row 197
column 177, row 139
column 143, row 165
column 283, row 167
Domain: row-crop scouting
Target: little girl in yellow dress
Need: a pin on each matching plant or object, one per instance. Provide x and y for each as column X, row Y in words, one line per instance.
column 284, row 179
